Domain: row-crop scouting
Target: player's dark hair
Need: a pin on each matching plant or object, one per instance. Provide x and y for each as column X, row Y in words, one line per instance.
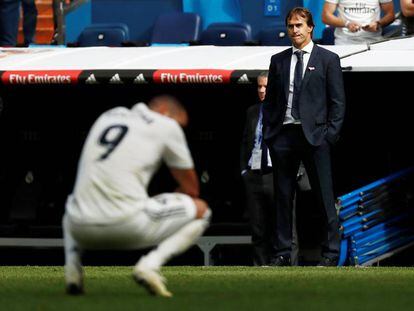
column 173, row 104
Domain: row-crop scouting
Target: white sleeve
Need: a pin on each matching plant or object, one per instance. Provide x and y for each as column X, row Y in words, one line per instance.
column 384, row 1
column 334, row 1
column 176, row 152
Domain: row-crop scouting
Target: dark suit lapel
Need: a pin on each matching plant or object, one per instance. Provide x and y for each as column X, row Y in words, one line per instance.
column 311, row 63
column 286, row 73
column 255, row 118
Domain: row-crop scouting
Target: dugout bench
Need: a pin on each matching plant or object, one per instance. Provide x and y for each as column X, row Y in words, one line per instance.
column 205, row 243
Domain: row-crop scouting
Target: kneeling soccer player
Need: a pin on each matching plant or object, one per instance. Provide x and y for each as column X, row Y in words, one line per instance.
column 110, row 208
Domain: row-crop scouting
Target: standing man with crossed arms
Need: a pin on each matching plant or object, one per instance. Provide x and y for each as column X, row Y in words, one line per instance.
column 303, row 113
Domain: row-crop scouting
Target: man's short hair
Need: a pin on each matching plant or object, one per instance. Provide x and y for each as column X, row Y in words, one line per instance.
column 263, row 74
column 302, row 12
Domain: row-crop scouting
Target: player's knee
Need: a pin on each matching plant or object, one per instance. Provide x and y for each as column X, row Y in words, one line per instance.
column 203, row 210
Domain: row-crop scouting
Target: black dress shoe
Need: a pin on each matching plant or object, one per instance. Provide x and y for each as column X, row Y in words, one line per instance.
column 328, row 262
column 280, row 261
column 74, row 289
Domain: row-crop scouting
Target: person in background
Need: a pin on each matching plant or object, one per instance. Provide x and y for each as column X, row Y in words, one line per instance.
column 9, row 21
column 109, row 207
column 257, row 177
column 29, row 21
column 407, row 10
column 303, row 113
column 358, row 21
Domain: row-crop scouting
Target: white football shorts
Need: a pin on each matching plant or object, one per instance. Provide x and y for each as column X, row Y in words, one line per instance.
column 161, row 217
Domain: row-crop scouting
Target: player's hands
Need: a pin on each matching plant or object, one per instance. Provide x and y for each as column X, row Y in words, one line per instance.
column 191, row 194
column 372, row 27
column 354, row 27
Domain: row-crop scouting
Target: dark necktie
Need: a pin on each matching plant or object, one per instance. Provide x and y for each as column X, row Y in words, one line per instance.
column 297, row 83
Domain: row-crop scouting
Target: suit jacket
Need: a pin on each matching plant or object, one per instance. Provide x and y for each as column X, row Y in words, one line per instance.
column 321, row 100
column 247, row 144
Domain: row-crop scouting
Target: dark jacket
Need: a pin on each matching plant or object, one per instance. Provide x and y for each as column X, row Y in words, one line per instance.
column 249, row 133
column 322, row 97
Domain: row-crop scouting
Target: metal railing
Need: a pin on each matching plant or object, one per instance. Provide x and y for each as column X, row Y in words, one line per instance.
column 376, row 220
column 63, row 7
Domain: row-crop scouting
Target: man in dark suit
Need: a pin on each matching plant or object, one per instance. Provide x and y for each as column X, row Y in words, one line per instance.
column 303, row 113
column 256, row 170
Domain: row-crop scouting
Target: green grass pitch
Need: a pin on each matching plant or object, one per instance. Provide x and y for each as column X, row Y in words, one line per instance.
column 214, row 288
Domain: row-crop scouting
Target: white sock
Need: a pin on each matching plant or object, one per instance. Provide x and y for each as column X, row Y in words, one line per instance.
column 175, row 244
column 73, row 265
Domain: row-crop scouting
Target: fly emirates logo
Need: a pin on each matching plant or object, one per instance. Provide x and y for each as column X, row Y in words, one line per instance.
column 192, row 76
column 38, row 77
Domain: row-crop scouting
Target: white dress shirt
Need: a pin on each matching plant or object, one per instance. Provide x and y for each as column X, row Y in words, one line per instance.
column 258, row 141
column 308, row 50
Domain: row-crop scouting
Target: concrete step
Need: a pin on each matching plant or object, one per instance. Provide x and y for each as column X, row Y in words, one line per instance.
column 44, row 7
column 44, row 21
column 43, row 36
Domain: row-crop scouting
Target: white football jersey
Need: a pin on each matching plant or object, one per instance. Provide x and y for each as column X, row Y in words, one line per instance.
column 123, row 150
column 361, row 11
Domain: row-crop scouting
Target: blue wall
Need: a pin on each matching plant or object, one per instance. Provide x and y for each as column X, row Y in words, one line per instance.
column 140, row 15
column 253, row 13
column 214, row 11
column 77, row 20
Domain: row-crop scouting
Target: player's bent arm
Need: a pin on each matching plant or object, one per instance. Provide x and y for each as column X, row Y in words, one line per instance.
column 389, row 15
column 328, row 16
column 187, row 181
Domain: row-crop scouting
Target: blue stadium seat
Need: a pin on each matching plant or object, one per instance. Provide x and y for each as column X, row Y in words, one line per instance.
column 176, row 28
column 124, row 27
column 328, row 37
column 274, row 36
column 233, row 25
column 226, row 34
column 106, row 34
column 392, row 30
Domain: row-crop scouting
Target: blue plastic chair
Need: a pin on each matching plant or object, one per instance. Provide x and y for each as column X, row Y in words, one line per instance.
column 328, row 36
column 274, row 37
column 227, row 35
column 176, row 28
column 105, row 34
column 226, row 25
